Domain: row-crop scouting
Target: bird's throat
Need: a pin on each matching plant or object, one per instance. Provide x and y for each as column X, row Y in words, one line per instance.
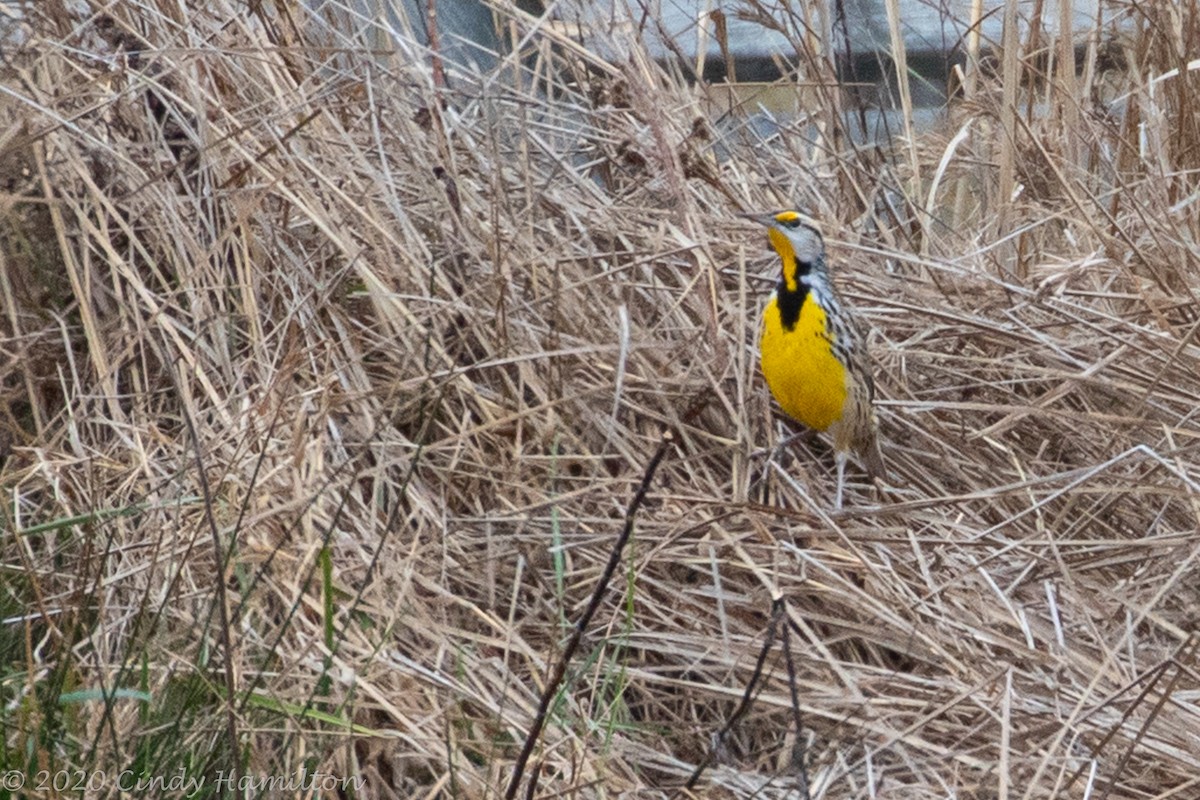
column 787, row 254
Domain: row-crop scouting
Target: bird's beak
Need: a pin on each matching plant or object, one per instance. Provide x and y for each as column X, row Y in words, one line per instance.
column 761, row 219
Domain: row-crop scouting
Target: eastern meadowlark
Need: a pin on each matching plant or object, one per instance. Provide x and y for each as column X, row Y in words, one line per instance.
column 813, row 355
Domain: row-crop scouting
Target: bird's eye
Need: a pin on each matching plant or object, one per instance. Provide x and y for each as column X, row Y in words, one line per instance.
column 792, row 223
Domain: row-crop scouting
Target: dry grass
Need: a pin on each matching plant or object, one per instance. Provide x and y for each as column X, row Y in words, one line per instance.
column 327, row 385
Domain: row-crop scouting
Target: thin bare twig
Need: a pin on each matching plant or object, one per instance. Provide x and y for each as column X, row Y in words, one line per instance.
column 560, row 666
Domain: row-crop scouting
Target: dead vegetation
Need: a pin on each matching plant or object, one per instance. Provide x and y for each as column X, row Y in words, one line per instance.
column 328, row 379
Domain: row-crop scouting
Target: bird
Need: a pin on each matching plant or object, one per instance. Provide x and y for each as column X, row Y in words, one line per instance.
column 813, row 354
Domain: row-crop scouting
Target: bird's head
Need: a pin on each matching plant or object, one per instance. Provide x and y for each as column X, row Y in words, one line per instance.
column 799, row 245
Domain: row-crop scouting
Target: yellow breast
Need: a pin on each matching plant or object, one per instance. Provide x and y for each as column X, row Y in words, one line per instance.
column 808, row 382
